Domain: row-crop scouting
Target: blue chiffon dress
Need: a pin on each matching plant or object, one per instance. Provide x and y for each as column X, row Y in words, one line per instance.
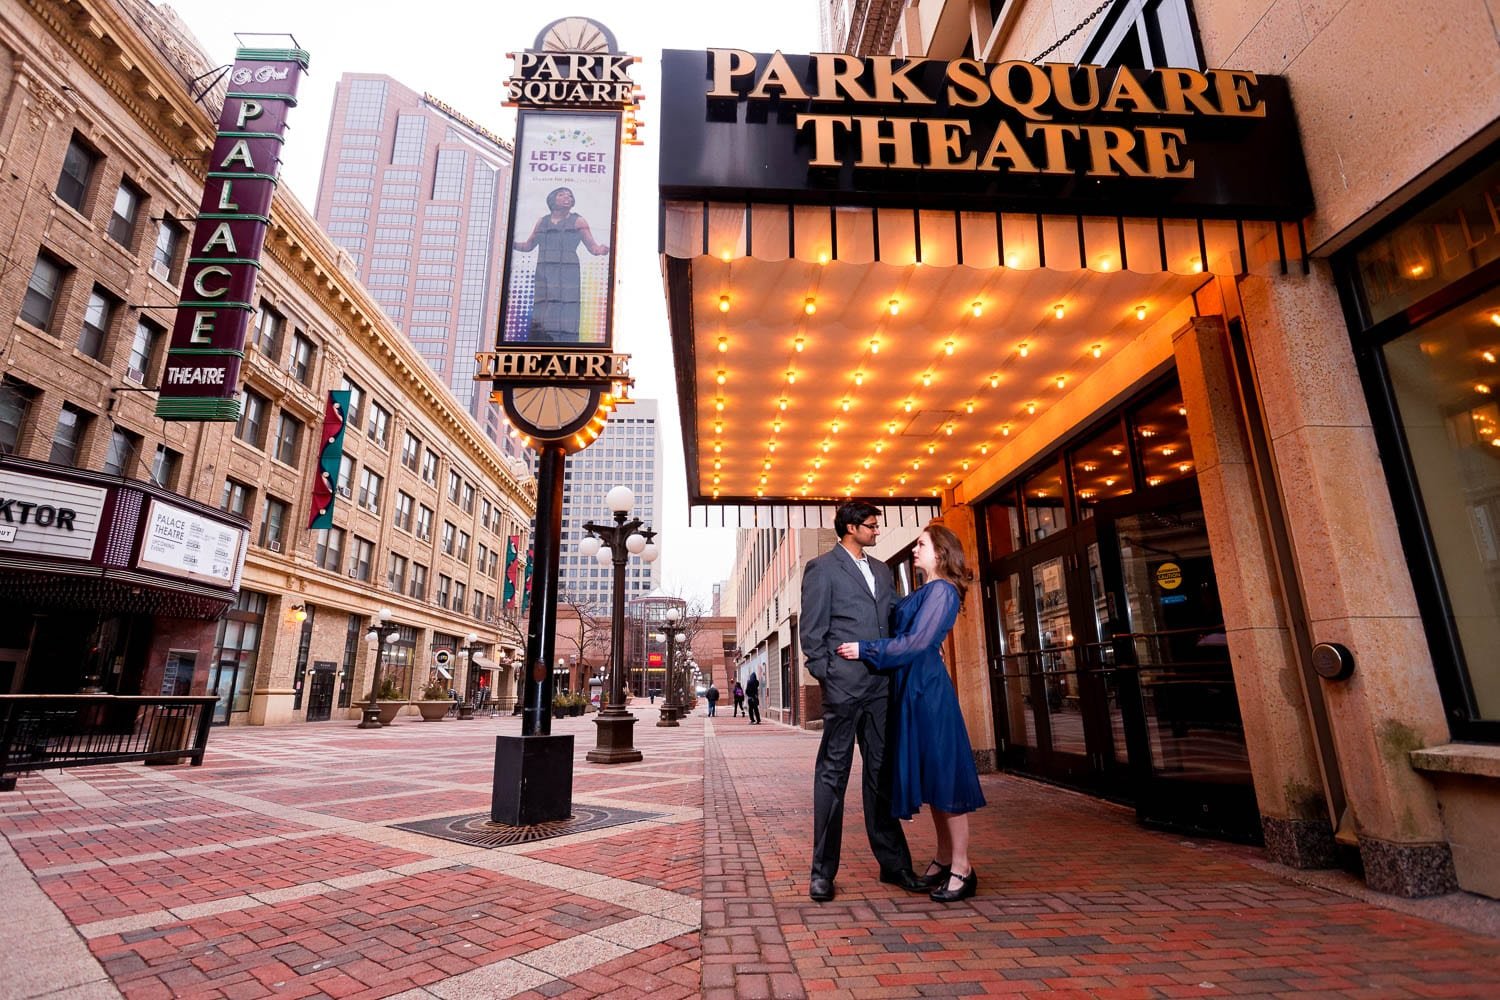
column 933, row 762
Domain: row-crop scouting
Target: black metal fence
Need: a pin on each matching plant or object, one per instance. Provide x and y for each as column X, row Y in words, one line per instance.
column 39, row 731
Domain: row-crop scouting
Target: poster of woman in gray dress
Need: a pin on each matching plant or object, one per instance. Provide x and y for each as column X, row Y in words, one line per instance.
column 559, row 265
column 555, row 237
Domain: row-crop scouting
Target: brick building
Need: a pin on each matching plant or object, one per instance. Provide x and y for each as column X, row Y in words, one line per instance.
column 104, row 158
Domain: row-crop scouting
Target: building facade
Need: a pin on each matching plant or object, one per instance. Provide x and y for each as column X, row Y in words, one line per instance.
column 1230, row 499
column 105, row 154
column 418, row 195
column 627, row 453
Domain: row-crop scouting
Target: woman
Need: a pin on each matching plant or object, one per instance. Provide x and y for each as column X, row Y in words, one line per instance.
column 933, row 762
column 554, row 309
column 739, row 698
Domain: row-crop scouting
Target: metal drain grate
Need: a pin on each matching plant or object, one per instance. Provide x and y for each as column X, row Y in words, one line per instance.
column 477, row 830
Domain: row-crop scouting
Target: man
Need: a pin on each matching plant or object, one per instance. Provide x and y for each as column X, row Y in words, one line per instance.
column 713, row 699
column 846, row 597
column 752, row 699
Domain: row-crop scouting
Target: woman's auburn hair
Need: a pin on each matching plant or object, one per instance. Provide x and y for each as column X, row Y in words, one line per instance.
column 949, row 556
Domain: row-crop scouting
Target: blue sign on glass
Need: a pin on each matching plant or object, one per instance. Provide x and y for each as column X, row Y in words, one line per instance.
column 1174, row 599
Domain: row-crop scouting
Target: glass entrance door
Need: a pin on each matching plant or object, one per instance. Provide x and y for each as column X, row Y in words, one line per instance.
column 1188, row 760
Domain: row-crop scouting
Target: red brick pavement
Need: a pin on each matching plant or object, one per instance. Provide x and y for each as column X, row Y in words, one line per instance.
column 286, row 879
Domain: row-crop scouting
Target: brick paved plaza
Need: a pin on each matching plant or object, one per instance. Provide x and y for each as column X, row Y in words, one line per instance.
column 277, row 870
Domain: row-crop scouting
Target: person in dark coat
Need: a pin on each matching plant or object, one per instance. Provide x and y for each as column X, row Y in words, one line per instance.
column 712, row 698
column 752, row 699
column 932, row 760
column 848, row 595
column 739, row 697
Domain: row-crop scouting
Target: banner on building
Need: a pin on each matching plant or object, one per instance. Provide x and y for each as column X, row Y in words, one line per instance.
column 526, row 587
column 512, row 553
column 330, row 455
column 201, row 379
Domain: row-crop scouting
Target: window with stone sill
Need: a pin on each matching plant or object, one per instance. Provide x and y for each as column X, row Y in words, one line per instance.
column 288, row 438
column 68, row 438
column 273, row 522
column 165, row 465
column 138, row 366
column 403, row 510
column 379, row 428
column 303, row 352
column 251, row 427
column 418, row 582
column 126, row 210
column 42, row 290
column 328, row 552
column 236, row 497
column 124, row 448
column 77, row 169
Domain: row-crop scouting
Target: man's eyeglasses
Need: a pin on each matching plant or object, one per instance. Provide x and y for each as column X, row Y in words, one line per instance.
column 871, row 525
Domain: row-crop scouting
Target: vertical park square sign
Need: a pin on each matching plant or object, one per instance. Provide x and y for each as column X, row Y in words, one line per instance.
column 202, row 373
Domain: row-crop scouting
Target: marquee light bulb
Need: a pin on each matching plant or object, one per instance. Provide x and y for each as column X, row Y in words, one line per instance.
column 1495, row 318
column 969, row 406
column 984, row 449
column 894, row 306
column 948, row 430
column 723, row 345
column 771, row 447
column 867, row 464
column 1024, row 349
column 916, row 464
column 835, row 426
column 902, row 479
column 859, row 378
column 763, row 480
column 791, row 378
column 931, row 449
column 810, row 306
column 817, row 463
column 907, row 406
column 1140, row 312
column 718, row 447
column 879, row 447
column 1057, row 310
column 964, row 465
column 823, row 257
column 1097, row 350
column 776, row 426
column 977, row 308
column 1031, row 409
column 875, row 345
column 798, row 344
column 1005, row 430
column 1196, row 263
column 948, row 348
column 766, row 465
column 723, row 303
column 726, row 256
column 721, row 377
column 825, row 447
column 718, row 464
column 927, row 378
column 1489, row 356
column 781, row 404
column 717, row 480
column 891, row 427
column 718, row 427
column 719, row 405
column 845, row 405
column 1062, row 380
column 760, row 491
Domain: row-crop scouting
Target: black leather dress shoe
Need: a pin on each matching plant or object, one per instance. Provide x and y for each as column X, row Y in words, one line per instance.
column 819, row 889
column 968, row 885
column 931, row 879
column 904, row 877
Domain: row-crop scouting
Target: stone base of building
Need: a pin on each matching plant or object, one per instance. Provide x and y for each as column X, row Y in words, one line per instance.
column 1299, row 843
column 1408, row 870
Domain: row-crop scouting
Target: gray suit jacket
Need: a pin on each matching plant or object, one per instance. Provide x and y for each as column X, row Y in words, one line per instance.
column 837, row 607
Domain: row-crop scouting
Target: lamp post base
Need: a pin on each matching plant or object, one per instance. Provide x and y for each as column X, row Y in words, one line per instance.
column 369, row 717
column 668, row 716
column 615, row 740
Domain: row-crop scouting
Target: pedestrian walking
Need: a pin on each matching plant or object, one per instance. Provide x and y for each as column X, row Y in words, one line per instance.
column 931, row 760
column 752, row 699
column 712, row 697
column 847, row 595
column 739, row 697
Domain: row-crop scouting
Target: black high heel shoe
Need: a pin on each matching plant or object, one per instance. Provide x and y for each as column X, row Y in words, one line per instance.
column 968, row 885
column 930, row 879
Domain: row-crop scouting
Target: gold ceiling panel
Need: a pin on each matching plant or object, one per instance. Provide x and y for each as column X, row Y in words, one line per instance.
column 826, row 380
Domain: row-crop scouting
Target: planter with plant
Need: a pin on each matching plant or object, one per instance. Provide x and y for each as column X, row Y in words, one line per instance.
column 435, row 701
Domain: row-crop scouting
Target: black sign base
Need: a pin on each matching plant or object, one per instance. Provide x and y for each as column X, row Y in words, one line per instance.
column 533, row 780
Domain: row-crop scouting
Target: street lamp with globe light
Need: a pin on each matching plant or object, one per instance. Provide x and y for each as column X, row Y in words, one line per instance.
column 370, row 714
column 611, row 544
column 674, row 634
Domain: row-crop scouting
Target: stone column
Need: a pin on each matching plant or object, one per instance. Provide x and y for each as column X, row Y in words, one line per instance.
column 276, row 663
column 970, row 666
column 1278, row 736
column 1354, row 577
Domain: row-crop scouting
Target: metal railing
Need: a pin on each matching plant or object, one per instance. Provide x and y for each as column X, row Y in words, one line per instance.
column 40, row 731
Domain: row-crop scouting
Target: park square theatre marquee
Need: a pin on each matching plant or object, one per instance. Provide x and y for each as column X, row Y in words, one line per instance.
column 856, row 248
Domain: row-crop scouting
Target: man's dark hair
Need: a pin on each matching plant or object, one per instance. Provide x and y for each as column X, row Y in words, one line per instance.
column 852, row 513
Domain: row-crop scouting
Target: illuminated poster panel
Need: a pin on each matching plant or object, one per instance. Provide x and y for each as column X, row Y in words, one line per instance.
column 559, row 278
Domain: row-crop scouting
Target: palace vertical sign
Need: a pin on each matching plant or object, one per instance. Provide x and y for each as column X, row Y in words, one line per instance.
column 202, row 374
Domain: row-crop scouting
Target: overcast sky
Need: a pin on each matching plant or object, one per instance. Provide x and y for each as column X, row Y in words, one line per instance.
column 456, row 52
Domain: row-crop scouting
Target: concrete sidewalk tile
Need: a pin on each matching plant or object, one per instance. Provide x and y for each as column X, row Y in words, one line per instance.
column 642, row 932
column 575, row 954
